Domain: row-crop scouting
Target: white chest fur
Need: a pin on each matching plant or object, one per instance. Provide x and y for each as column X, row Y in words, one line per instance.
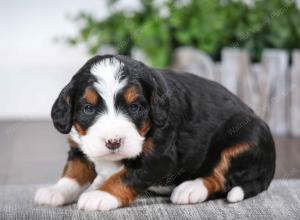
column 104, row 169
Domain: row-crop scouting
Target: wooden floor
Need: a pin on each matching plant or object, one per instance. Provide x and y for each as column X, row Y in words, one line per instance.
column 34, row 152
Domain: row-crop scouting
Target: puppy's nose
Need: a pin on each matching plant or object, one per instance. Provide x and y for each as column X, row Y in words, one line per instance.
column 113, row 144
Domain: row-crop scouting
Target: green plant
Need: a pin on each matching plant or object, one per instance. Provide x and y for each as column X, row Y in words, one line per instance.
column 208, row 25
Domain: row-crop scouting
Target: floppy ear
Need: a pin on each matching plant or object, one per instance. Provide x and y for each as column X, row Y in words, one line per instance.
column 62, row 110
column 159, row 100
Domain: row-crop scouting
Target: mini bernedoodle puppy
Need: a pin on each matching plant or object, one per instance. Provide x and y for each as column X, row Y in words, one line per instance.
column 134, row 128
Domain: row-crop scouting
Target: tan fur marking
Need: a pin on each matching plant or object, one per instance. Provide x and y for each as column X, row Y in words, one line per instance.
column 79, row 129
column 148, row 146
column 216, row 181
column 143, row 130
column 116, row 187
column 130, row 95
column 72, row 143
column 81, row 170
column 91, row 96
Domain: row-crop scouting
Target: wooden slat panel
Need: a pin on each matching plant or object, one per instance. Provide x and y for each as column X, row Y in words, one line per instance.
column 275, row 64
column 260, row 90
column 236, row 75
column 218, row 72
column 295, row 94
column 230, row 69
column 265, row 86
column 190, row 60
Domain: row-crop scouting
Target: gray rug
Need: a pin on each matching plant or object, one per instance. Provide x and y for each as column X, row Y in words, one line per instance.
column 281, row 201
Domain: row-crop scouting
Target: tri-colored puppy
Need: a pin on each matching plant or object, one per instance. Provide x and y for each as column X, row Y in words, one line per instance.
column 133, row 128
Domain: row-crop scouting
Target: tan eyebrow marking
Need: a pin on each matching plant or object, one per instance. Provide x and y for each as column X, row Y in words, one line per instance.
column 131, row 94
column 91, row 96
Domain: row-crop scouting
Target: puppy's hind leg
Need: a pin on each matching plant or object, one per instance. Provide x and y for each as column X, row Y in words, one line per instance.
column 200, row 189
column 240, row 161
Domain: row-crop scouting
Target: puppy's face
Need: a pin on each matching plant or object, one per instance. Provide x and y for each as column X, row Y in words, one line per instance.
column 111, row 117
column 110, row 110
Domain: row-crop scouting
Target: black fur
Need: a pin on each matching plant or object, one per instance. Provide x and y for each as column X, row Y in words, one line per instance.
column 193, row 120
column 75, row 153
column 61, row 112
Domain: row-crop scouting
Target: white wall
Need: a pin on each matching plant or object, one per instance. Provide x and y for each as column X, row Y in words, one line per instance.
column 33, row 68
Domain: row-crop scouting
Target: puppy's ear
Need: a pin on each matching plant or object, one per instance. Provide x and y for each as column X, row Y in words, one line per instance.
column 159, row 100
column 62, row 110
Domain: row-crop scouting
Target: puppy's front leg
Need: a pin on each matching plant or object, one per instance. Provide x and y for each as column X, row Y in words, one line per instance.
column 112, row 194
column 122, row 188
column 78, row 174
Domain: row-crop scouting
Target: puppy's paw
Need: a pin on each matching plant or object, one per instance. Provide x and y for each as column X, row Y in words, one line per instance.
column 63, row 192
column 50, row 196
column 236, row 194
column 98, row 200
column 189, row 192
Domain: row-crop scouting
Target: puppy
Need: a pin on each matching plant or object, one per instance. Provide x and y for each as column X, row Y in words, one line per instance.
column 133, row 128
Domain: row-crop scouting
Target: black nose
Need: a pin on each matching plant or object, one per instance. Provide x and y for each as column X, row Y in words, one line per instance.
column 113, row 144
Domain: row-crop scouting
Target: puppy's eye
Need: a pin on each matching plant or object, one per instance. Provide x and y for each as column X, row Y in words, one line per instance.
column 134, row 108
column 89, row 109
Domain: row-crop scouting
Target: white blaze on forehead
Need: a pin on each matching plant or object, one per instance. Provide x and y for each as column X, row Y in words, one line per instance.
column 111, row 124
column 108, row 73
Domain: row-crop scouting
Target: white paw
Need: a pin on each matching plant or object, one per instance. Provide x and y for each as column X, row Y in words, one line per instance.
column 49, row 196
column 63, row 192
column 97, row 200
column 236, row 194
column 189, row 192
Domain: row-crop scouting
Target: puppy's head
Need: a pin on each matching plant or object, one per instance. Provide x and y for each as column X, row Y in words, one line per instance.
column 110, row 106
